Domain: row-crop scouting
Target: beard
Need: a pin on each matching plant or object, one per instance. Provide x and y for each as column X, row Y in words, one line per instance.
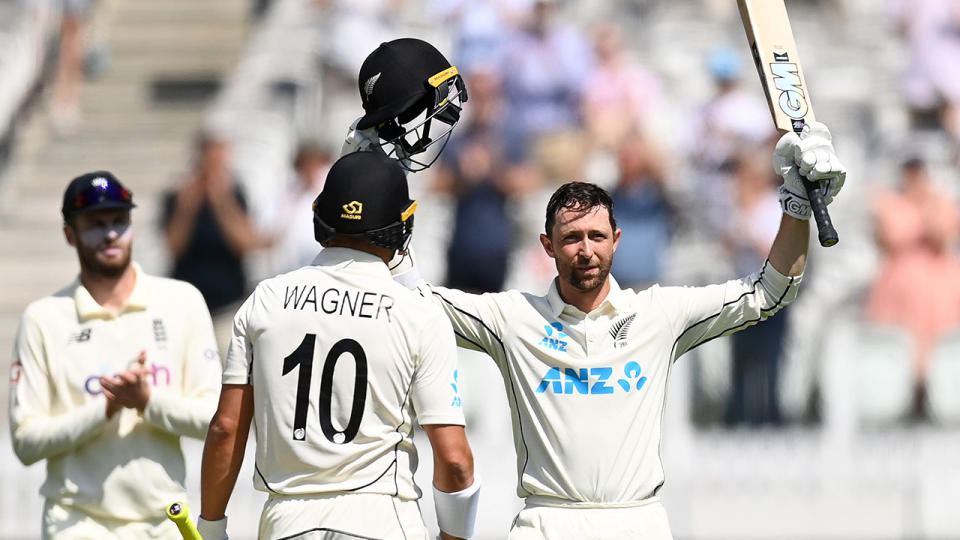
column 575, row 277
column 108, row 269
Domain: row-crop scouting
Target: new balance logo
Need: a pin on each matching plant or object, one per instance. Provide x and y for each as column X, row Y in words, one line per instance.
column 81, row 337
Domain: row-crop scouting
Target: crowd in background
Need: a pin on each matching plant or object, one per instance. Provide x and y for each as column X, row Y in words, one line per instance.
column 552, row 99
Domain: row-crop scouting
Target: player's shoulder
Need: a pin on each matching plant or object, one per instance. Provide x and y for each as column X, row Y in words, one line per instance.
column 170, row 289
column 61, row 301
column 278, row 285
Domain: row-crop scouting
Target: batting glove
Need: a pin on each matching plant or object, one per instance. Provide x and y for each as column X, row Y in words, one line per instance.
column 212, row 530
column 360, row 140
column 809, row 155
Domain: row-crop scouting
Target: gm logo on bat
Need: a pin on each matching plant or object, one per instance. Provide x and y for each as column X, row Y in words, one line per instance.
column 786, row 78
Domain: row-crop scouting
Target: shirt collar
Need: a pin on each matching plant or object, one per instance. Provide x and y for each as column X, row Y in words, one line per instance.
column 88, row 308
column 341, row 256
column 615, row 298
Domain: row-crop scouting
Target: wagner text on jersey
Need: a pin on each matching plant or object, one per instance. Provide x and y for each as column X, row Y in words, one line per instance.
column 334, row 301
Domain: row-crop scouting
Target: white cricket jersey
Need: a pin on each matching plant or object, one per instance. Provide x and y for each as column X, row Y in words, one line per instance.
column 342, row 360
column 131, row 466
column 587, row 390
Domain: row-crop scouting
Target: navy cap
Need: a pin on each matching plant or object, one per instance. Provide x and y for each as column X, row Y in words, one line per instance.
column 96, row 190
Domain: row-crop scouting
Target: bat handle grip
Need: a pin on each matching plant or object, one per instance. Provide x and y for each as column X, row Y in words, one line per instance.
column 179, row 513
column 826, row 232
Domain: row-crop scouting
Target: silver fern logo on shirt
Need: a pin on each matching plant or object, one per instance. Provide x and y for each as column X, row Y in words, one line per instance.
column 620, row 329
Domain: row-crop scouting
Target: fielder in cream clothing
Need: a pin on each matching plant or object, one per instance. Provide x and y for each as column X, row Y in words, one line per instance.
column 586, row 366
column 108, row 374
column 334, row 362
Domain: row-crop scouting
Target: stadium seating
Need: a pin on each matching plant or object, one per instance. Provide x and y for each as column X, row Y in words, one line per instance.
column 883, row 374
column 943, row 380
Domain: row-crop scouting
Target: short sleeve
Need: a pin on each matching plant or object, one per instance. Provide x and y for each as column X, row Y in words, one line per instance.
column 436, row 385
column 238, row 366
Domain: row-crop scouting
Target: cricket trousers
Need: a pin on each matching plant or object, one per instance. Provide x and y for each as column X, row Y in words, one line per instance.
column 64, row 522
column 341, row 517
column 646, row 521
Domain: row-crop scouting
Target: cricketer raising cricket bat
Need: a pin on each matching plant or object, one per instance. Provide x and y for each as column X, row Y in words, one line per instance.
column 180, row 514
column 775, row 54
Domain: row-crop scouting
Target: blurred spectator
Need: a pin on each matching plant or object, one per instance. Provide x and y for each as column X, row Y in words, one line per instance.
column 473, row 171
column 918, row 284
column 620, row 95
column 643, row 212
column 732, row 117
column 932, row 30
column 65, row 95
column 729, row 121
column 479, row 28
column 208, row 231
column 291, row 231
column 545, row 66
column 750, row 232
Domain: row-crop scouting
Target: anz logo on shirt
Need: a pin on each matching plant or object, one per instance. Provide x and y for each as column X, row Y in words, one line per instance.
column 595, row 380
column 457, row 402
column 554, row 338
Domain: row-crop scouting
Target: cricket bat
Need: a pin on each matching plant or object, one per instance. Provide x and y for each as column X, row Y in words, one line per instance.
column 180, row 515
column 775, row 54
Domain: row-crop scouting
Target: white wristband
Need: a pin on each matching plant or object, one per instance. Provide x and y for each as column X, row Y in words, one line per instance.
column 212, row 530
column 457, row 512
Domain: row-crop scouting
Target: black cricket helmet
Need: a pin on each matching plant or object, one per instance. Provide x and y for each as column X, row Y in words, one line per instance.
column 405, row 85
column 365, row 195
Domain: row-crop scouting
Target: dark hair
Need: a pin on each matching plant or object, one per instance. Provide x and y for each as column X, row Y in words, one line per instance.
column 581, row 197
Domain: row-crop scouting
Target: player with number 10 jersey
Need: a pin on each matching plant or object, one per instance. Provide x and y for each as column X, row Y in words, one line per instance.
column 346, row 360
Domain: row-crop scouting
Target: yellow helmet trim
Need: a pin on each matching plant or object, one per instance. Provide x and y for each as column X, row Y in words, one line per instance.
column 439, row 78
column 409, row 211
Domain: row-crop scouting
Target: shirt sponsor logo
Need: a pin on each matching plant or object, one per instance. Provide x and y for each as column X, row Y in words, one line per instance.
column 554, row 338
column 595, row 380
column 81, row 337
column 157, row 375
column 16, row 371
column 456, row 390
column 619, row 330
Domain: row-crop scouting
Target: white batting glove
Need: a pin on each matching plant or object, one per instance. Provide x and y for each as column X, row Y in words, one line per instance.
column 808, row 155
column 360, row 140
column 212, row 530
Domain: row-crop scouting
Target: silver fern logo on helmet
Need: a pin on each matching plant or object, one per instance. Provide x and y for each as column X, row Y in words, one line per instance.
column 368, row 86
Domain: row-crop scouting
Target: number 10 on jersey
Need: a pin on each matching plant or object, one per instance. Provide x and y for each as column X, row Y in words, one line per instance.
column 302, row 356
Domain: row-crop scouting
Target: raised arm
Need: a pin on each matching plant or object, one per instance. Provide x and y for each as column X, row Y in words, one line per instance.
column 808, row 155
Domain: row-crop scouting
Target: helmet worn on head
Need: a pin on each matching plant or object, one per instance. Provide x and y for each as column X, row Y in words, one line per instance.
column 365, row 195
column 401, row 81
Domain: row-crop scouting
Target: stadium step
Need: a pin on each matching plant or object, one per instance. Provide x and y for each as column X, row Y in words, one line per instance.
column 146, row 142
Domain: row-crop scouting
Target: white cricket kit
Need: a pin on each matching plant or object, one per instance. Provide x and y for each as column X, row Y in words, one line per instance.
column 587, row 390
column 342, row 360
column 131, row 466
